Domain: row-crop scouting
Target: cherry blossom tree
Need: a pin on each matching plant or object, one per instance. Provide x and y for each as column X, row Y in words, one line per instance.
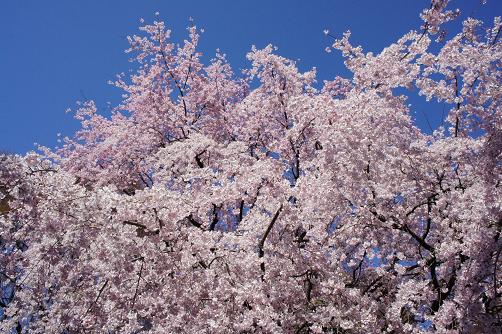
column 213, row 202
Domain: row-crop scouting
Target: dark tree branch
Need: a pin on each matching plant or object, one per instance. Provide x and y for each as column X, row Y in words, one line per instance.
column 216, row 209
column 97, row 298
column 261, row 244
column 137, row 282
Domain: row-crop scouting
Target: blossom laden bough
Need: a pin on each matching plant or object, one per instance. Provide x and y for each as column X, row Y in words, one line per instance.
column 214, row 203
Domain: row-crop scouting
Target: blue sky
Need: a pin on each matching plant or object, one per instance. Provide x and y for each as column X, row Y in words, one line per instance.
column 57, row 52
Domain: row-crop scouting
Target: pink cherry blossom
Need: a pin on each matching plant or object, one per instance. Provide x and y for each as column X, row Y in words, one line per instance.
column 215, row 202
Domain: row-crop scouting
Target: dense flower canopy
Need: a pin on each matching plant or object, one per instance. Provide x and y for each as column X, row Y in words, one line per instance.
column 211, row 202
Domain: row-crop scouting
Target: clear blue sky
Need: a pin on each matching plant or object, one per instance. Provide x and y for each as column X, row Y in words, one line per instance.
column 57, row 52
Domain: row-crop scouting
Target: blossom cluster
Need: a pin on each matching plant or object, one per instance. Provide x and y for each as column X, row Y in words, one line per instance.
column 216, row 203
